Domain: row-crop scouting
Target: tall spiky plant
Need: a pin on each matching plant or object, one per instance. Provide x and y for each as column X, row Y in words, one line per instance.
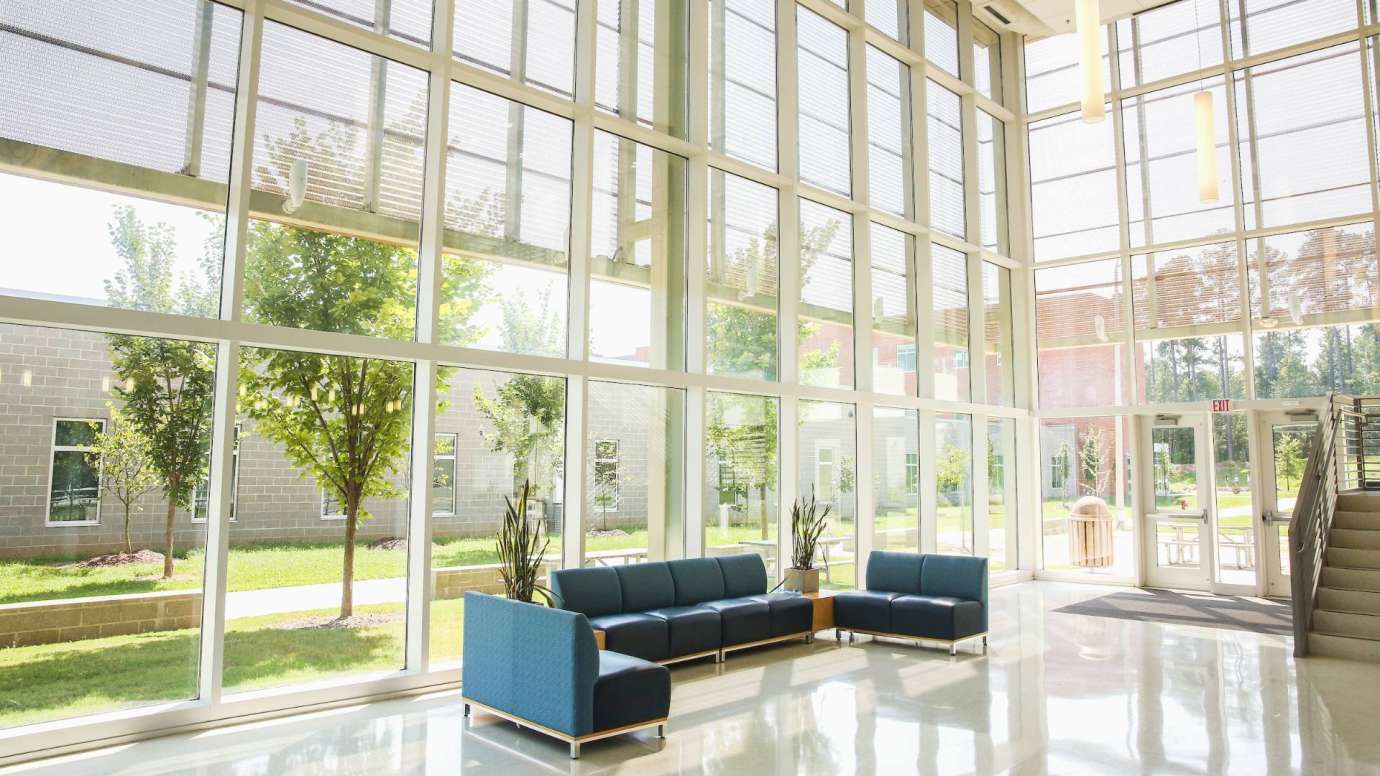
column 521, row 547
column 807, row 525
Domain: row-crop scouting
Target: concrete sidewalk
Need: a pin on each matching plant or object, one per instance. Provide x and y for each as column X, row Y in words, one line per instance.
column 282, row 600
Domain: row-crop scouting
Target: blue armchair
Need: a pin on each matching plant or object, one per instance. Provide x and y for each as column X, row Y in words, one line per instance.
column 540, row 667
column 911, row 596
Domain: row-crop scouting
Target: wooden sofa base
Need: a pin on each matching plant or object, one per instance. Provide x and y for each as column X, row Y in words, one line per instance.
column 953, row 644
column 808, row 636
column 574, row 741
column 716, row 654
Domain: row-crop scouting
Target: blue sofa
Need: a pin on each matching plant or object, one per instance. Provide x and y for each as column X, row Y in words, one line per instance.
column 684, row 609
column 540, row 667
column 918, row 597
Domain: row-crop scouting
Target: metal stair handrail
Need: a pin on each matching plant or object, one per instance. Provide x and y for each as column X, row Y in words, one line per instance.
column 1335, row 464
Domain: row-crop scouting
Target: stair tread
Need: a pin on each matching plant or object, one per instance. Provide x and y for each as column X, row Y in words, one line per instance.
column 1342, row 635
column 1345, row 611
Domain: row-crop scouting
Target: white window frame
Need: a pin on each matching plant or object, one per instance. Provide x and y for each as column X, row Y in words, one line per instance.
column 325, row 499
column 234, row 479
column 53, row 449
column 453, row 457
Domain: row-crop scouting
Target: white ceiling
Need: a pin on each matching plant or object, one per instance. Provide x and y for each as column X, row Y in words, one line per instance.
column 1042, row 18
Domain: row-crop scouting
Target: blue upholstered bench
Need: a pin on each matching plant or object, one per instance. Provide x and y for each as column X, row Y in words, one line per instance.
column 684, row 609
column 918, row 597
column 540, row 667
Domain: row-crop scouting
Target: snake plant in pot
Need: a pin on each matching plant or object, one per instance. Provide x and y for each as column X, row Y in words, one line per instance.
column 807, row 525
column 522, row 545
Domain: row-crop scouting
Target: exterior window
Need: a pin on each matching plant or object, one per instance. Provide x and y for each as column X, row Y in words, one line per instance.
column 607, row 490
column 905, row 358
column 331, row 508
column 443, row 475
column 201, row 501
column 74, row 493
column 913, row 473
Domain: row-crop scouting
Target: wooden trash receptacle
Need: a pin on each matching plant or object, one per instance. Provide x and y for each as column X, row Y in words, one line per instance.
column 1090, row 533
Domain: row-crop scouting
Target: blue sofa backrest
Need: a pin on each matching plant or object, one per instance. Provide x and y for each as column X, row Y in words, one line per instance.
column 525, row 659
column 591, row 591
column 956, row 576
column 894, row 572
column 744, row 574
column 697, row 580
column 646, row 586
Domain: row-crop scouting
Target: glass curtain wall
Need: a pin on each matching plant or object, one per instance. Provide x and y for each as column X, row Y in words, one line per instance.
column 1265, row 291
column 293, row 316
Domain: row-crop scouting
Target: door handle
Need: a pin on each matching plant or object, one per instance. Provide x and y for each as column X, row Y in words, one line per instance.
column 1204, row 517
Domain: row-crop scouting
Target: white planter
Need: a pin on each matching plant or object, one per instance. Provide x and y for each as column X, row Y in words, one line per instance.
column 804, row 580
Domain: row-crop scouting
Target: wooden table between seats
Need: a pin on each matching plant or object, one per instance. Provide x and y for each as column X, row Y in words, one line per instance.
column 599, row 639
column 824, row 609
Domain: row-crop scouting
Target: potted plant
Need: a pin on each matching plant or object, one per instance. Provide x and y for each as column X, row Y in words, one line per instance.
column 807, row 525
column 522, row 547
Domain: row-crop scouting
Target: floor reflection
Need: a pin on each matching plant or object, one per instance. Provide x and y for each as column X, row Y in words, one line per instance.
column 1058, row 694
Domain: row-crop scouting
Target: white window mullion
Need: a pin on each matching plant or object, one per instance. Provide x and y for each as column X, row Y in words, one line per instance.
column 865, row 523
column 929, row 512
column 788, row 143
column 788, row 429
column 981, row 530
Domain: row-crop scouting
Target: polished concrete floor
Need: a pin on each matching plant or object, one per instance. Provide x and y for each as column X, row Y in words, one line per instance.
column 1058, row 694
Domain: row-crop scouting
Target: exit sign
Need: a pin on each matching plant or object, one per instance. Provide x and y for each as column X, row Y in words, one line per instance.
column 1221, row 405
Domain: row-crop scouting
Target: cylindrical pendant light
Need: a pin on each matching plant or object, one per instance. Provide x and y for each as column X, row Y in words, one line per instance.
column 1088, row 21
column 1207, row 146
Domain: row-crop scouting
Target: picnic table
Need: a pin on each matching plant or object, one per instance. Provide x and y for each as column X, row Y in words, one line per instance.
column 616, row 557
column 768, row 551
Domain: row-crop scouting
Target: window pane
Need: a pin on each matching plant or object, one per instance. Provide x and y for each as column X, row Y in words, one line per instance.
column 636, row 476
column 1051, row 72
column 1081, row 330
column 999, row 341
column 1192, row 368
column 1162, row 197
column 888, row 133
column 896, row 479
column 950, row 288
column 1302, row 121
column 1175, row 38
column 348, row 128
column 953, row 446
column 443, row 476
column 324, row 521
column 741, row 292
column 641, row 62
column 740, row 471
column 163, row 136
column 532, row 42
column 505, row 282
column 889, row 16
column 1001, row 494
column 742, row 80
column 407, row 20
column 941, row 34
column 510, row 429
column 1236, row 545
column 828, row 472
column 991, row 149
column 1305, row 275
column 1186, row 287
column 823, row 62
column 1085, row 482
column 986, row 61
column 1272, row 24
column 1314, row 361
column 98, row 428
column 637, row 294
column 825, row 322
column 1072, row 161
column 946, row 161
column 893, row 311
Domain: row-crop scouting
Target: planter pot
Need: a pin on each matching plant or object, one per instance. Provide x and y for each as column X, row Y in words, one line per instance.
column 804, row 580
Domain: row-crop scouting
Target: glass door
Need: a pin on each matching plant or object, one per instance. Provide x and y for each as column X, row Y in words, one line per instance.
column 1289, row 437
column 1178, row 540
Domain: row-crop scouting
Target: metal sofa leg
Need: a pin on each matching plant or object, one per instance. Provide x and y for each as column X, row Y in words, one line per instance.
column 809, row 638
column 467, row 709
column 850, row 637
column 574, row 750
column 953, row 649
column 984, row 645
column 719, row 656
column 838, row 635
column 661, row 730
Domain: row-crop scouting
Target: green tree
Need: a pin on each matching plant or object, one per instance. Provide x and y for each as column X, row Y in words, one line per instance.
column 951, row 473
column 1290, row 458
column 1092, row 476
column 165, row 385
column 126, row 463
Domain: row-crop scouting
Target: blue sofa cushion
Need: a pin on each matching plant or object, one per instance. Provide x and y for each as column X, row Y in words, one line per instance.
column 646, row 586
column 937, row 617
column 538, row 663
column 956, row 576
column 898, row 572
column 697, row 580
column 636, row 634
column 864, row 609
column 790, row 613
column 744, row 574
column 590, row 591
column 692, row 628
column 629, row 691
column 742, row 619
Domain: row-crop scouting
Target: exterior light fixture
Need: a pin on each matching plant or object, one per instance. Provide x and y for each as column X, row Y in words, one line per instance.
column 1087, row 20
column 1207, row 146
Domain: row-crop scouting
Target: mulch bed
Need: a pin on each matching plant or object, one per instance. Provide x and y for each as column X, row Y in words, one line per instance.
column 391, row 543
column 121, row 559
column 335, row 623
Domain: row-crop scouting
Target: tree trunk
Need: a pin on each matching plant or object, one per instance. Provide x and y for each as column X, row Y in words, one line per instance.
column 129, row 546
column 765, row 518
column 347, row 575
column 168, row 534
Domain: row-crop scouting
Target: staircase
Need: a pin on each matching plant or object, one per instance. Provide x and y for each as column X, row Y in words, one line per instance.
column 1346, row 613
